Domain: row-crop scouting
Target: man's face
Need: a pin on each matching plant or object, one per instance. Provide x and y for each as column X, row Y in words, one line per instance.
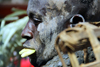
column 47, row 18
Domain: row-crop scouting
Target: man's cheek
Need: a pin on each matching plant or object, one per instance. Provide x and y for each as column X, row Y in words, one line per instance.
column 41, row 28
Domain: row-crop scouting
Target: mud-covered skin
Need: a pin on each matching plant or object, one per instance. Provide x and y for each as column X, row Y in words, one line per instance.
column 47, row 18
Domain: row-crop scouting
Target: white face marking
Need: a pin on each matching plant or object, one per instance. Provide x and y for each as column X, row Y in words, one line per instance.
column 40, row 26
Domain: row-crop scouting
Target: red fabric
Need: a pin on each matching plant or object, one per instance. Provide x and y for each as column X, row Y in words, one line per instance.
column 25, row 63
column 16, row 62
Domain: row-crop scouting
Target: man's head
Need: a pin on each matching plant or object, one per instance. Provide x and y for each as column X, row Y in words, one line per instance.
column 47, row 18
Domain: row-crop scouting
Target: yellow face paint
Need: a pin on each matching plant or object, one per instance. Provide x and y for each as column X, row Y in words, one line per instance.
column 26, row 52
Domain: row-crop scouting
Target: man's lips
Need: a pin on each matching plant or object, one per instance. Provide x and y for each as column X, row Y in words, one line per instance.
column 29, row 48
column 31, row 44
column 28, row 44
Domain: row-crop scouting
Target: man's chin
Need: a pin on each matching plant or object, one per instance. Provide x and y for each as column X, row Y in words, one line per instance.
column 33, row 60
column 38, row 61
column 39, row 58
column 37, row 64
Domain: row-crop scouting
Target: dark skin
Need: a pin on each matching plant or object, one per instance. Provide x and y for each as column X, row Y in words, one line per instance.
column 47, row 18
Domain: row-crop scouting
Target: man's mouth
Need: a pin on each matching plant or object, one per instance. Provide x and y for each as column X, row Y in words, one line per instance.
column 30, row 51
column 29, row 48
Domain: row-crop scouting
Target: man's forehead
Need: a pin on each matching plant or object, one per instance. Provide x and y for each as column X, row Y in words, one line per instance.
column 34, row 6
column 57, row 3
column 38, row 3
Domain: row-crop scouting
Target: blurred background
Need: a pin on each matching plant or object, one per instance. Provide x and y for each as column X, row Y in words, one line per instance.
column 13, row 19
column 7, row 5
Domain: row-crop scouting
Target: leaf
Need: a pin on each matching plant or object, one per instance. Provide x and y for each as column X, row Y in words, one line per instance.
column 12, row 16
column 9, row 30
column 10, row 34
column 2, row 23
column 16, row 9
column 17, row 13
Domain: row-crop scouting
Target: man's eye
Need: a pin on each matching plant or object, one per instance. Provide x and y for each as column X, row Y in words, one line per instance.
column 37, row 21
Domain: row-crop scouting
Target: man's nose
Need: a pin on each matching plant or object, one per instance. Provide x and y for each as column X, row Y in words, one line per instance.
column 29, row 30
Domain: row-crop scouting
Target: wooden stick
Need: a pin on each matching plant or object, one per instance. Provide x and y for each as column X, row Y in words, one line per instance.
column 73, row 59
column 60, row 56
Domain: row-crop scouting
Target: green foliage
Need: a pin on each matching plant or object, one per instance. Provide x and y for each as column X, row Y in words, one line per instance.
column 10, row 35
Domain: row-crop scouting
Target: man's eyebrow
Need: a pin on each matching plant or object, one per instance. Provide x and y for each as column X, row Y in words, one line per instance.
column 30, row 13
column 34, row 15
